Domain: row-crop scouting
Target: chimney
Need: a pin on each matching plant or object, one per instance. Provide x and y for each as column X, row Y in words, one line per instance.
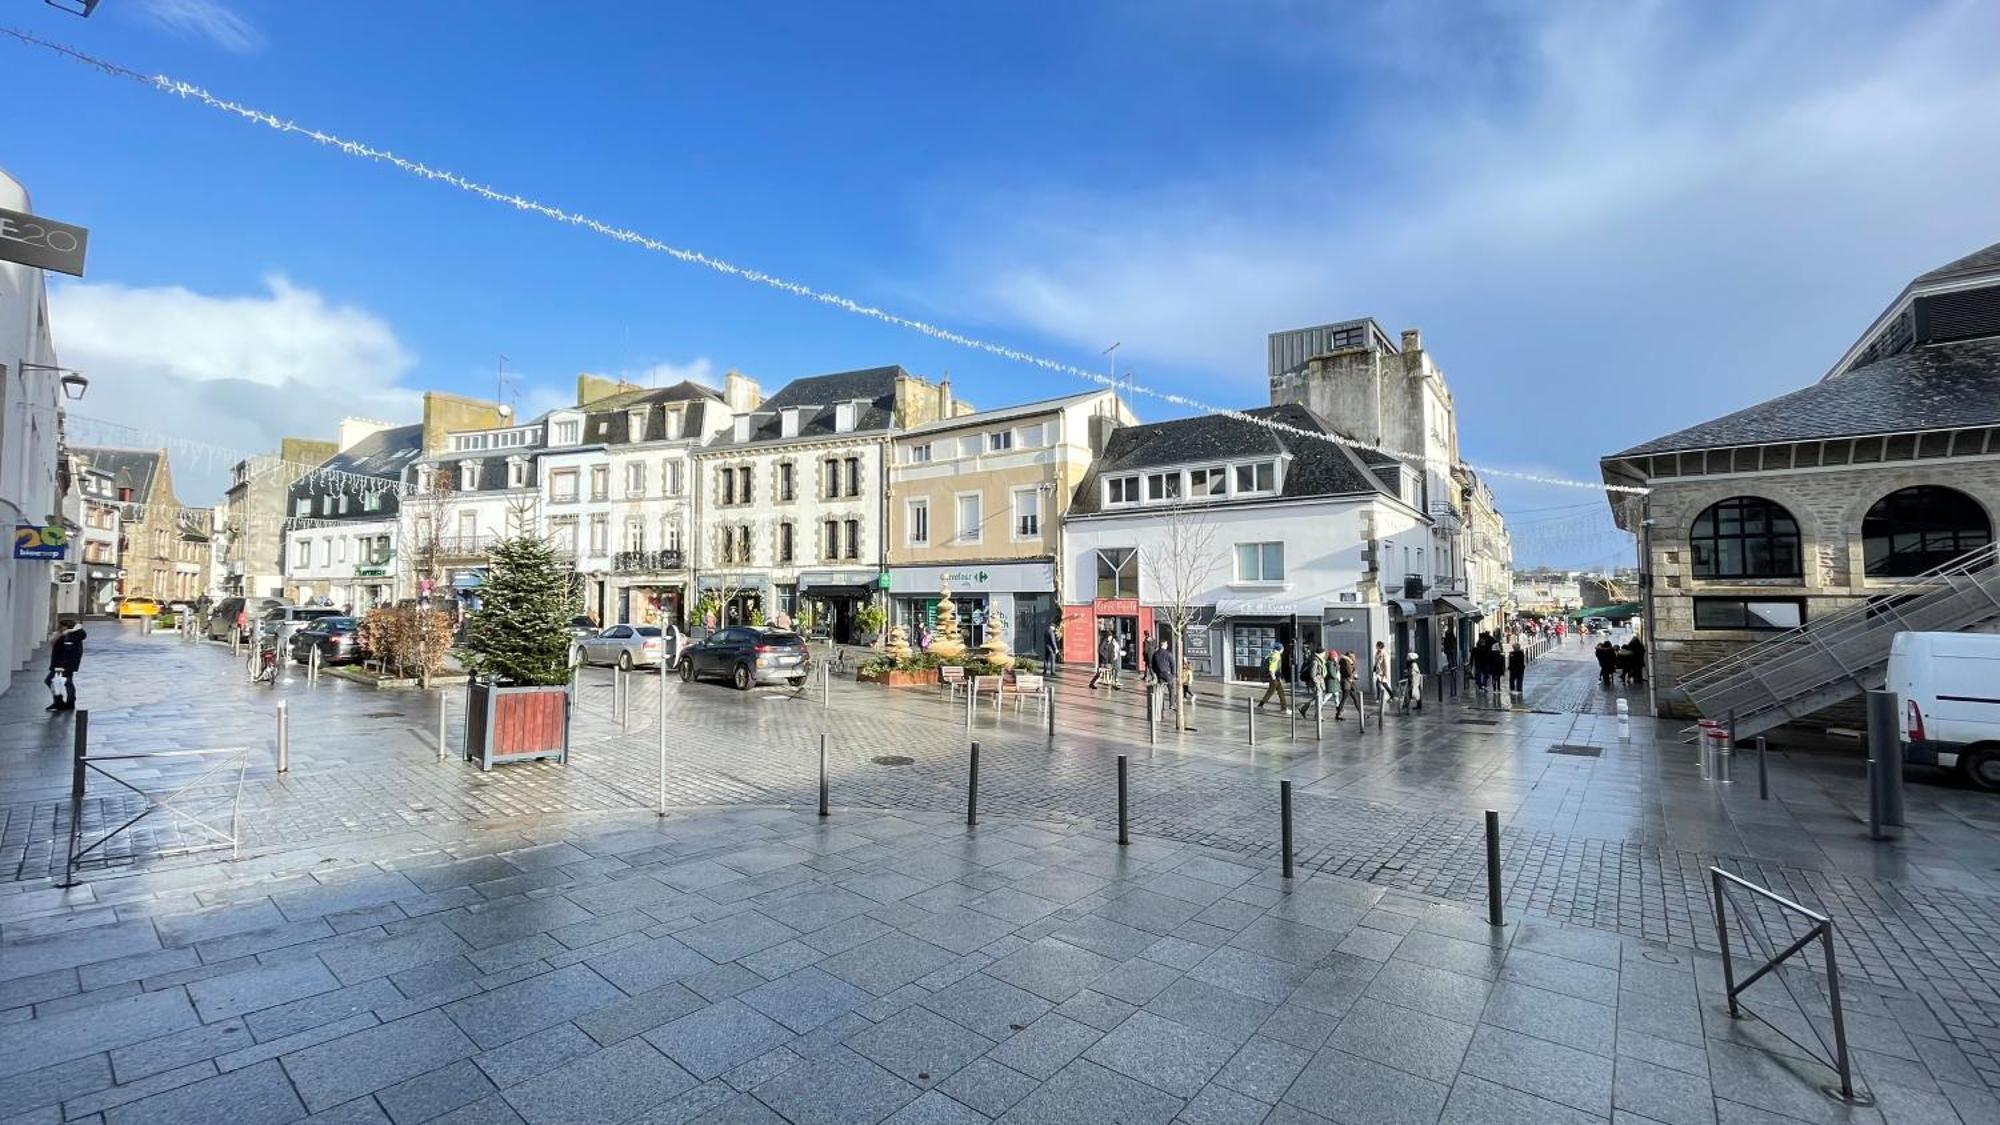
column 590, row 388
column 353, row 430
column 1413, row 340
column 944, row 397
column 741, row 392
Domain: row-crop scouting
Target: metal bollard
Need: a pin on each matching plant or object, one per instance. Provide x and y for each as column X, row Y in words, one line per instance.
column 1152, row 716
column 1319, row 718
column 1049, row 709
column 1495, row 913
column 621, row 686
column 826, row 685
column 662, row 737
column 972, row 790
column 1885, row 765
column 444, row 713
column 1122, row 838
column 1285, row 822
column 1250, row 710
column 284, row 738
column 312, row 665
column 1763, row 777
column 79, row 748
column 1292, row 714
column 822, row 775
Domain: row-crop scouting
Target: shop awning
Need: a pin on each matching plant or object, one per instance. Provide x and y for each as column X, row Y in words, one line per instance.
column 1406, row 607
column 1617, row 612
column 841, row 591
column 1453, row 603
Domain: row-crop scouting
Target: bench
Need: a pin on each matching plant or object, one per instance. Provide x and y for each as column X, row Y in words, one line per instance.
column 985, row 685
column 951, row 677
column 1026, row 686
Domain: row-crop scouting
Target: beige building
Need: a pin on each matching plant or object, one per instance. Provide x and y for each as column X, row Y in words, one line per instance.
column 976, row 503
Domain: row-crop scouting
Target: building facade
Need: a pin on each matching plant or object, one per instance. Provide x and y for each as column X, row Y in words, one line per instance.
column 1394, row 396
column 155, row 529
column 1247, row 534
column 250, row 537
column 1837, row 495
column 95, row 548
column 976, row 505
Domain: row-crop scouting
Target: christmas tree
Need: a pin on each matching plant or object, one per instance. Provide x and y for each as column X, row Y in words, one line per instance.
column 946, row 643
column 899, row 644
column 520, row 633
column 995, row 647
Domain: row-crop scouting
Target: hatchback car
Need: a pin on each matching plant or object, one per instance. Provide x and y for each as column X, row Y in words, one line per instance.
column 628, row 646
column 748, row 655
column 222, row 616
column 138, row 607
column 337, row 639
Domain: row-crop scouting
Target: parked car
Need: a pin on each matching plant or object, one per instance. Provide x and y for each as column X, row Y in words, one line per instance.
column 628, row 646
column 1950, row 686
column 581, row 627
column 337, row 639
column 748, row 655
column 222, row 615
column 282, row 621
column 136, row 607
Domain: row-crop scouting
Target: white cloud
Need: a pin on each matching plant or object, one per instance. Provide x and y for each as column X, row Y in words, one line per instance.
column 700, row 369
column 236, row 371
column 204, row 19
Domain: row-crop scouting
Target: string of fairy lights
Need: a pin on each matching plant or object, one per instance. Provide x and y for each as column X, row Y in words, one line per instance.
column 360, row 150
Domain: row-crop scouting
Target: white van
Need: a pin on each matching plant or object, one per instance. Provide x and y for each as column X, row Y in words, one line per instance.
column 1950, row 686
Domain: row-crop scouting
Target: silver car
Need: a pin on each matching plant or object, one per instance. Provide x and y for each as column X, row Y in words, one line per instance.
column 627, row 646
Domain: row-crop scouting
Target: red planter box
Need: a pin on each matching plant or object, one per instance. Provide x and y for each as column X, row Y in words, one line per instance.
column 515, row 724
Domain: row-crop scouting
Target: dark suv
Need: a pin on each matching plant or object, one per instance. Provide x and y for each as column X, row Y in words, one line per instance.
column 336, row 638
column 748, row 655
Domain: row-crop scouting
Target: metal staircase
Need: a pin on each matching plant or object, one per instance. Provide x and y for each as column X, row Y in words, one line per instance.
column 1835, row 658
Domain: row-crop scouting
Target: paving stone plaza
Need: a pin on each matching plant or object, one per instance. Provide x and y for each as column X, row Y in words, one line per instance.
column 396, row 938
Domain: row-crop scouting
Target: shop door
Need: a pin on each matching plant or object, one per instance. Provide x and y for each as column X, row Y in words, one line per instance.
column 1032, row 614
column 1248, row 646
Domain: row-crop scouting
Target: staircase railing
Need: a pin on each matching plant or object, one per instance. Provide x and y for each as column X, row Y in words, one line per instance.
column 1850, row 644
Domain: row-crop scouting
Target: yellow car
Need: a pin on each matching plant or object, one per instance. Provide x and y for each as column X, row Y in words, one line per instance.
column 138, row 607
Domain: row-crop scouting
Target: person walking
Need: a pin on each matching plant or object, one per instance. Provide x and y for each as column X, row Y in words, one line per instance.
column 1316, row 676
column 1166, row 674
column 1378, row 671
column 1517, row 668
column 1413, row 683
column 65, row 656
column 1635, row 657
column 1607, row 662
column 1274, row 675
column 1479, row 650
column 1052, row 645
column 1347, row 673
column 1107, row 660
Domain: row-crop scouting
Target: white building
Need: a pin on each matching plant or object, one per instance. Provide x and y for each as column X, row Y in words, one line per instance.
column 30, row 442
column 792, row 501
column 1250, row 529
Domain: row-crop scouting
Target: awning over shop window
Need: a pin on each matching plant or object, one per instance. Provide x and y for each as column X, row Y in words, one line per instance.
column 842, row 591
column 1264, row 607
column 1610, row 612
column 1405, row 607
column 1452, row 603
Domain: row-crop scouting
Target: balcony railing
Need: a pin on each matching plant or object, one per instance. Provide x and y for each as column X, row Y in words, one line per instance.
column 467, row 546
column 629, row 562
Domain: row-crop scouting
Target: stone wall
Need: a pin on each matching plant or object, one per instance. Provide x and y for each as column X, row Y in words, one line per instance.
column 1829, row 505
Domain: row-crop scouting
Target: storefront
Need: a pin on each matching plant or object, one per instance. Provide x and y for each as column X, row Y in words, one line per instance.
column 1018, row 597
column 651, row 603
column 1412, row 630
column 834, row 597
column 465, row 583
column 1253, row 627
column 1084, row 625
column 747, row 595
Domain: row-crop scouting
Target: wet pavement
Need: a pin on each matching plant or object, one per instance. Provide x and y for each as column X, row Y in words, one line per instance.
column 1618, row 841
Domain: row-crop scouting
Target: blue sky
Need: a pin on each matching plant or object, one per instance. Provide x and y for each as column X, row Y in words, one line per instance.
column 1610, row 220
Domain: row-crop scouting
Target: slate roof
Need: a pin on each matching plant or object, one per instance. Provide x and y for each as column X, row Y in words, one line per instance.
column 1318, row 468
column 492, row 468
column 607, row 421
column 128, row 468
column 817, row 396
column 384, row 453
column 1977, row 262
column 1936, row 387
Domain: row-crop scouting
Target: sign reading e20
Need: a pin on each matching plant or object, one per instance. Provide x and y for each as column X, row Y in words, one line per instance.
column 44, row 243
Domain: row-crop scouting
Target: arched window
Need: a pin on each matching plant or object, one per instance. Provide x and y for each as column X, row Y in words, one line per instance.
column 1745, row 537
column 1913, row 530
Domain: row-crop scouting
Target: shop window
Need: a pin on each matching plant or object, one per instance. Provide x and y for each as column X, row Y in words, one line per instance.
column 1745, row 537
column 1763, row 614
column 1917, row 529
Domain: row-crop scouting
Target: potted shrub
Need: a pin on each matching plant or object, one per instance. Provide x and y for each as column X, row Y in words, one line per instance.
column 517, row 647
column 868, row 622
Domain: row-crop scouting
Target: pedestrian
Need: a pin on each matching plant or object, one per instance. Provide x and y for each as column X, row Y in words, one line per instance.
column 1480, row 649
column 1517, row 668
column 65, row 656
column 1635, row 654
column 1274, row 678
column 1052, row 645
column 1496, row 664
column 1348, row 674
column 1146, row 649
column 1378, row 671
column 1315, row 680
column 1107, row 660
column 1607, row 662
column 1165, row 673
column 1413, row 683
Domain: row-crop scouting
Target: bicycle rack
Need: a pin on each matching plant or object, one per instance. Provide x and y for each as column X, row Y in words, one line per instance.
column 1821, row 931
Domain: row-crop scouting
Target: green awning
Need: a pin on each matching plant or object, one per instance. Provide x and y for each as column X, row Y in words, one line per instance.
column 1618, row 612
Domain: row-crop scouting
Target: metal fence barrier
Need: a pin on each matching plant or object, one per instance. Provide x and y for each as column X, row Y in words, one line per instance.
column 1821, row 931
column 175, row 804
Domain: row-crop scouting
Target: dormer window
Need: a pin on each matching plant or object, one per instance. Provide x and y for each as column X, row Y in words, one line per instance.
column 676, row 423
column 635, row 425
column 1257, row 477
column 565, row 432
column 843, row 417
column 740, row 430
column 517, row 472
column 1121, row 490
column 468, row 476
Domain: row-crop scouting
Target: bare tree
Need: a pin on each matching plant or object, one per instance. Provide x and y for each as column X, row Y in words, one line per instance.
column 726, row 549
column 1177, row 573
column 422, row 515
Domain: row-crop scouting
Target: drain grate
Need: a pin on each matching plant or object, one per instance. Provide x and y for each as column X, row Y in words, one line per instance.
column 1578, row 751
column 1477, row 722
column 893, row 760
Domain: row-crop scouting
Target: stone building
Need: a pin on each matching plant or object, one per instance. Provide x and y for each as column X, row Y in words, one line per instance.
column 1789, row 514
column 251, row 536
column 154, row 549
column 1392, row 395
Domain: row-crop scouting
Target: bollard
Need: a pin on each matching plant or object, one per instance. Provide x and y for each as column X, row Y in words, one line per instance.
column 284, row 738
column 826, row 685
column 972, row 790
column 621, row 687
column 662, row 738
column 79, row 747
column 1285, row 822
column 312, row 665
column 1495, row 915
column 971, row 696
column 1049, row 709
column 1122, row 838
column 444, row 712
column 1319, row 719
column 822, row 775
column 1152, row 716
column 1885, row 765
column 1763, row 778
column 1250, row 710
column 1291, row 714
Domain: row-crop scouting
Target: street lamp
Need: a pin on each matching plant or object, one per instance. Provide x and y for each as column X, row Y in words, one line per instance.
column 73, row 381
